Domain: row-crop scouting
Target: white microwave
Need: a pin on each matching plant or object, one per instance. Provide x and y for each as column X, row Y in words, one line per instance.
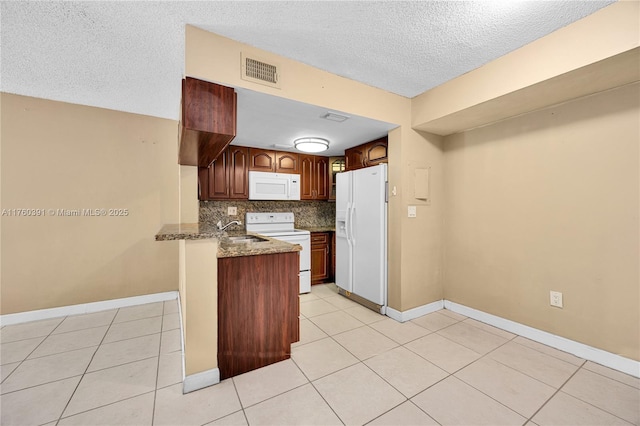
column 273, row 186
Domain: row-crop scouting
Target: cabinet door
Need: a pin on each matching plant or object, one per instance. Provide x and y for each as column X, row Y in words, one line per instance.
column 376, row 152
column 321, row 168
column 218, row 178
column 262, row 160
column 287, row 162
column 319, row 257
column 208, row 121
column 203, row 183
column 227, row 177
column 336, row 165
column 257, row 311
column 307, row 191
column 238, row 165
column 354, row 158
column 314, row 177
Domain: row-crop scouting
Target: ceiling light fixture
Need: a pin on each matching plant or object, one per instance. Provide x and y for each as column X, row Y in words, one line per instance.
column 311, row 144
column 332, row 116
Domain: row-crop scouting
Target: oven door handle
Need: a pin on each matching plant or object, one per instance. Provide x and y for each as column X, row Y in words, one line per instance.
column 289, row 238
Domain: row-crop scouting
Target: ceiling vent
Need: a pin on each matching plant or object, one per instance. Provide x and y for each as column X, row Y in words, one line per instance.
column 261, row 72
column 334, row 116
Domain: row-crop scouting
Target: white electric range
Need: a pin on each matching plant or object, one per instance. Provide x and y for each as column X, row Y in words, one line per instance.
column 280, row 226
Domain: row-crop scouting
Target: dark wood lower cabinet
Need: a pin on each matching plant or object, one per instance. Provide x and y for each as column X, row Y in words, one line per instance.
column 320, row 258
column 258, row 311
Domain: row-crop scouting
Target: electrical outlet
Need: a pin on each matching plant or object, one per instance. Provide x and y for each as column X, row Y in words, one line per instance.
column 555, row 299
column 411, row 211
column 232, row 211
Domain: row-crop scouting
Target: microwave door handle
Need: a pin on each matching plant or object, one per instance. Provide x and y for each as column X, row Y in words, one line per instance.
column 289, row 189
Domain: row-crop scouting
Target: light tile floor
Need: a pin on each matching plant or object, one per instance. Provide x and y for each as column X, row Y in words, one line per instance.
column 352, row 366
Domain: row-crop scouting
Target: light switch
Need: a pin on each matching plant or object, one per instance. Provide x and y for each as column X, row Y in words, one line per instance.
column 411, row 211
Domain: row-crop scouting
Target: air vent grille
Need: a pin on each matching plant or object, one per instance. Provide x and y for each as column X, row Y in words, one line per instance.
column 261, row 71
column 258, row 71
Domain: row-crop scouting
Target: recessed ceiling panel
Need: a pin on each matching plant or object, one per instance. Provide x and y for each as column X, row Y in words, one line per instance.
column 271, row 122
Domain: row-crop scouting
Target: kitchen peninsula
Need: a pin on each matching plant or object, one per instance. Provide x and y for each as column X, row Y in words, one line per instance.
column 239, row 300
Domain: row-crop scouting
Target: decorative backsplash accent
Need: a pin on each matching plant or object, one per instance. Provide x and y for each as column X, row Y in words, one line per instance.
column 307, row 213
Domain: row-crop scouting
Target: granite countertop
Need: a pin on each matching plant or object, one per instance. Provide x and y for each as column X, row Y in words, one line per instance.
column 226, row 248
column 187, row 231
column 329, row 228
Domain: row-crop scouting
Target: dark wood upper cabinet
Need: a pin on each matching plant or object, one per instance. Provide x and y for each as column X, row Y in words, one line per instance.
column 227, row 177
column 322, row 178
column 377, row 152
column 336, row 165
column 208, row 123
column 314, row 177
column 354, row 158
column 368, row 154
column 262, row 160
column 238, row 166
column 306, row 177
column 214, row 180
column 287, row 162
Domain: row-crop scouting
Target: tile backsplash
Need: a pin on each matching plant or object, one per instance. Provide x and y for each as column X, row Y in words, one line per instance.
column 307, row 213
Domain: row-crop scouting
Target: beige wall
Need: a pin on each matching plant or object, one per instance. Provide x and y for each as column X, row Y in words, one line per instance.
column 414, row 244
column 550, row 201
column 59, row 155
column 421, row 237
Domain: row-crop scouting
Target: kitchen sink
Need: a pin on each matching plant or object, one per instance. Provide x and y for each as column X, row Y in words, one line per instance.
column 246, row 239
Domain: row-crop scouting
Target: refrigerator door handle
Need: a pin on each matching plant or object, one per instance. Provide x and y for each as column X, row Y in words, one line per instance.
column 353, row 238
column 348, row 223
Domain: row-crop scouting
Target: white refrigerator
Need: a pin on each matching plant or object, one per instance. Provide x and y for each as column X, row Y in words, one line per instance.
column 361, row 233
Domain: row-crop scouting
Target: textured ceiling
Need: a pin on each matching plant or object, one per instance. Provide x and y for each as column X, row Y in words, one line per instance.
column 129, row 56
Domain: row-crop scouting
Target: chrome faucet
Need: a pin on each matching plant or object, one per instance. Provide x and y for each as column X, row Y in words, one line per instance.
column 233, row 222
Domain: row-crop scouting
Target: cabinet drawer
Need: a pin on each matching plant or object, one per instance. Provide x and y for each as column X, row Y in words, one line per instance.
column 319, row 238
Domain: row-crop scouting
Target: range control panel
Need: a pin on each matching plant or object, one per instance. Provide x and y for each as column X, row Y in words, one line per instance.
column 275, row 217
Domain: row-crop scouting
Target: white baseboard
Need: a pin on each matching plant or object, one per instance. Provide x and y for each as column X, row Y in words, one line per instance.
column 581, row 350
column 85, row 308
column 200, row 380
column 415, row 312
